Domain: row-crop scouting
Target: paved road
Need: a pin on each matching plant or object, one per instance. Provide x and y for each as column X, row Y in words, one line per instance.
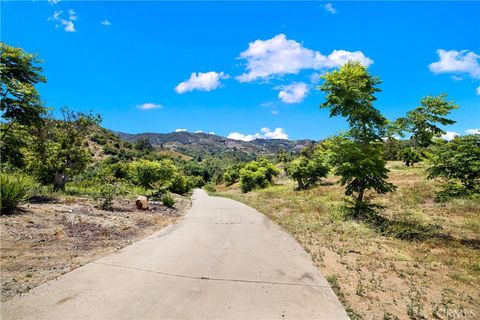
column 223, row 260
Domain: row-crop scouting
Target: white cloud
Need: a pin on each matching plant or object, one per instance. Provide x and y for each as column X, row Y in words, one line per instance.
column 457, row 78
column 478, row 90
column 293, row 93
column 105, row 23
column 53, row 1
column 203, row 81
column 265, row 133
column 460, row 62
column 211, row 132
column 315, row 77
column 275, row 112
column 279, row 56
column 67, row 23
column 199, row 131
column 180, row 130
column 472, row 131
column 329, row 7
column 69, row 26
column 241, row 136
column 149, row 106
column 450, row 135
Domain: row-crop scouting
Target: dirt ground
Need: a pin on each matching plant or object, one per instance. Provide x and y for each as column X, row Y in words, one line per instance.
column 49, row 237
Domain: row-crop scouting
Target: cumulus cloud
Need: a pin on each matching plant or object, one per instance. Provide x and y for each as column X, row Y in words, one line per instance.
column 149, row 106
column 64, row 19
column 459, row 62
column 279, row 56
column 202, row 81
column 472, row 131
column 180, row 130
column 450, row 135
column 293, row 93
column 265, row 133
column 478, row 91
column 105, row 23
column 329, row 7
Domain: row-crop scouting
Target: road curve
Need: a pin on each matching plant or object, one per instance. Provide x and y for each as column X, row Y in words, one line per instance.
column 223, row 260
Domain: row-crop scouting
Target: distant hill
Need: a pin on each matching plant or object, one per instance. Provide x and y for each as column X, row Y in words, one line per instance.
column 200, row 144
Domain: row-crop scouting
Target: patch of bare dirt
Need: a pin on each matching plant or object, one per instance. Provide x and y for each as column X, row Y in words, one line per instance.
column 50, row 237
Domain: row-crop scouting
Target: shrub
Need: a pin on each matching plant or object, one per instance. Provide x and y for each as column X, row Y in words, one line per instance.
column 257, row 174
column 307, row 172
column 168, row 200
column 232, row 174
column 410, row 156
column 14, row 189
column 209, row 188
column 107, row 192
column 458, row 161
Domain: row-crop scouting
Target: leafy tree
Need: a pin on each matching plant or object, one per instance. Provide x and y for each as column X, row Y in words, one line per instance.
column 410, row 156
column 19, row 100
column 423, row 121
column 307, row 172
column 392, row 149
column 232, row 174
column 144, row 145
column 458, row 161
column 161, row 175
column 58, row 149
column 257, row 174
column 350, row 93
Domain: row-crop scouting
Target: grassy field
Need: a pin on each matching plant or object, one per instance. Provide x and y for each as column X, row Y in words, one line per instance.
column 421, row 260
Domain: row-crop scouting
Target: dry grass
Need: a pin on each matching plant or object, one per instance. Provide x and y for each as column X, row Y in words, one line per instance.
column 421, row 262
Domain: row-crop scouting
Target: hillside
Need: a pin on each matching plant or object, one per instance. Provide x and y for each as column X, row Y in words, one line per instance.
column 195, row 144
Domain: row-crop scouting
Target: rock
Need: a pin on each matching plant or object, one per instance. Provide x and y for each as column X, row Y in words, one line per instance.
column 142, row 203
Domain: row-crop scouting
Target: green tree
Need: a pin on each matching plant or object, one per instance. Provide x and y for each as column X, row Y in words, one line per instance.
column 410, row 156
column 457, row 161
column 257, row 174
column 19, row 100
column 423, row 122
column 307, row 172
column 350, row 93
column 58, row 149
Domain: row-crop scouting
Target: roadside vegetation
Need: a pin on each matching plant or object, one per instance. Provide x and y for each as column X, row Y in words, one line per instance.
column 395, row 240
column 389, row 211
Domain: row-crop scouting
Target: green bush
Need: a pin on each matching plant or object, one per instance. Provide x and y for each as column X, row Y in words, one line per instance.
column 106, row 194
column 458, row 161
column 209, row 188
column 307, row 172
column 14, row 189
column 257, row 174
column 168, row 200
column 410, row 156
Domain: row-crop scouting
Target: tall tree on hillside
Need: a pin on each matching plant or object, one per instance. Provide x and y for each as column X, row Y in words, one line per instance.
column 19, row 100
column 350, row 93
column 58, row 150
column 423, row 122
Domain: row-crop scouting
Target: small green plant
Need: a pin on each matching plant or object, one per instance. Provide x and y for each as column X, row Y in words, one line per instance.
column 168, row 200
column 107, row 193
column 14, row 189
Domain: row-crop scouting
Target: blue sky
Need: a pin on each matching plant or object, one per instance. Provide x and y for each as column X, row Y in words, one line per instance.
column 243, row 66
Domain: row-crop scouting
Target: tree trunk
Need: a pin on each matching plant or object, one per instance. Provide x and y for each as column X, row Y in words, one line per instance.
column 59, row 182
column 359, row 201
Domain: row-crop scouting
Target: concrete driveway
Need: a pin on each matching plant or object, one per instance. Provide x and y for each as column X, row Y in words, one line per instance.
column 223, row 260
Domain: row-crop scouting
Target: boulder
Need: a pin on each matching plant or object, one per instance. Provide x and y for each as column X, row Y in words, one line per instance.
column 142, row 203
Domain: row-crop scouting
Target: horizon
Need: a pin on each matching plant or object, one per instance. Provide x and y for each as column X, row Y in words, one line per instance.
column 224, row 68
